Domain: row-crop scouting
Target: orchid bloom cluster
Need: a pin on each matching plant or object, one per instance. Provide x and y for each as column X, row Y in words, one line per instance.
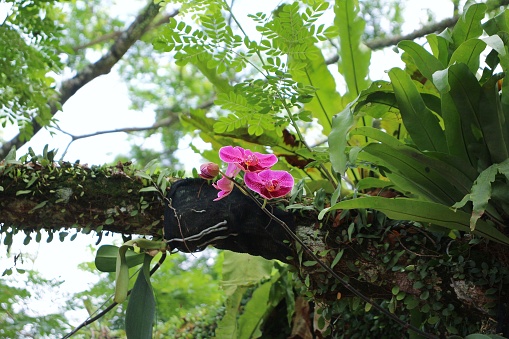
column 258, row 175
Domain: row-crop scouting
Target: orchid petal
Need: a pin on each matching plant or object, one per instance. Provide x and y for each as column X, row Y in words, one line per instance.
column 225, row 187
column 232, row 170
column 231, row 154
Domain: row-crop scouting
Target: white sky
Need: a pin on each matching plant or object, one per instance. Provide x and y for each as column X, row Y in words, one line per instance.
column 103, row 104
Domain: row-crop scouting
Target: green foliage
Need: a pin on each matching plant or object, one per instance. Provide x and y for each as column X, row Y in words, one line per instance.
column 17, row 318
column 455, row 126
column 29, row 53
column 354, row 57
column 141, row 308
column 254, row 103
column 106, row 258
column 436, row 133
column 86, row 33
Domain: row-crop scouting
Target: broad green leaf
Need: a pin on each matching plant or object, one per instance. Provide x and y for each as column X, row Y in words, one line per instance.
column 499, row 23
column 465, row 93
column 341, row 124
column 416, row 173
column 148, row 189
column 141, row 308
column 11, row 156
column 495, row 42
column 492, row 121
column 370, row 182
column 227, row 328
column 354, row 56
column 242, row 269
column 469, row 53
column 327, row 100
column 457, row 141
column 106, row 258
column 440, row 47
column 469, row 25
column 377, row 135
column 481, row 191
column 426, row 63
column 256, row 311
column 424, row 212
column 420, row 122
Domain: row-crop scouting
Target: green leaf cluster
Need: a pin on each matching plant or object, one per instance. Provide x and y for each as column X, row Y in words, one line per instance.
column 29, row 53
column 441, row 132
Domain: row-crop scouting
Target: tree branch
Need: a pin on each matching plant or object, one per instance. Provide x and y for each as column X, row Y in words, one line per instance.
column 74, row 198
column 114, row 35
column 161, row 123
column 421, row 32
column 103, row 66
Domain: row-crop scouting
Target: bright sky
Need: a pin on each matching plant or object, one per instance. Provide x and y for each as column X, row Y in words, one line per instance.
column 103, row 104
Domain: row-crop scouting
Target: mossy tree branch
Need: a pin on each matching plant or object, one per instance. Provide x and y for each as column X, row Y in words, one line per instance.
column 375, row 256
column 71, row 196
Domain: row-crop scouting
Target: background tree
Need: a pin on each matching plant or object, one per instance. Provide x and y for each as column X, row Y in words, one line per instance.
column 412, row 259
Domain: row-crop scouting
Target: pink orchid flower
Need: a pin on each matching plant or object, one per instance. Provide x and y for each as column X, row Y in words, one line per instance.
column 245, row 159
column 225, row 185
column 270, row 184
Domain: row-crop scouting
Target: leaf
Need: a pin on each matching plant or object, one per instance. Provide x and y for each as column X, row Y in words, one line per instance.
column 255, row 312
column 492, row 121
column 424, row 212
column 148, row 189
column 465, row 93
column 228, row 327
column 469, row 53
column 414, row 172
column 481, row 191
column 370, row 182
column 457, row 140
column 421, row 123
column 141, row 308
column 337, row 258
column 425, row 62
column 499, row 23
column 143, row 175
column 106, row 258
column 242, row 269
column 326, row 101
column 39, row 205
column 469, row 25
column 21, row 192
column 440, row 47
column 341, row 124
column 121, row 276
column 354, row 56
column 11, row 156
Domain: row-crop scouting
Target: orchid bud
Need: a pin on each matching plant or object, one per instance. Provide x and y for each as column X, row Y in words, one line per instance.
column 209, row 170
